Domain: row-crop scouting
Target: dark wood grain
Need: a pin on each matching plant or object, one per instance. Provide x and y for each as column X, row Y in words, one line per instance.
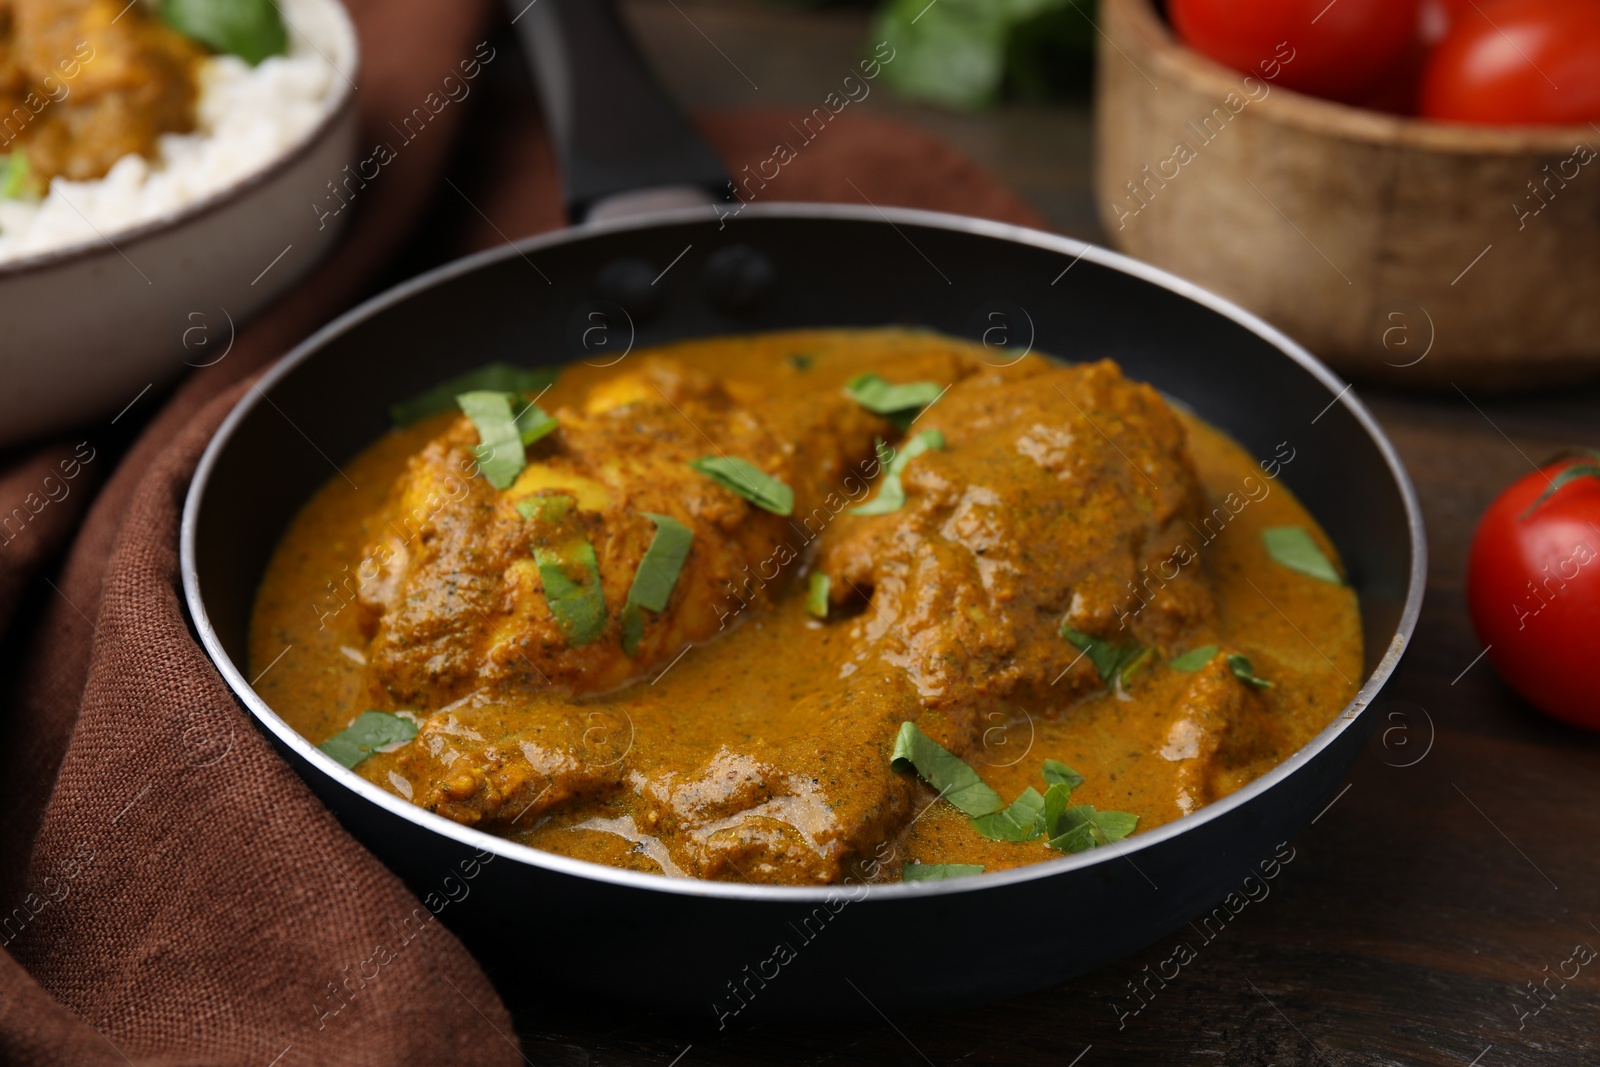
column 1460, row 863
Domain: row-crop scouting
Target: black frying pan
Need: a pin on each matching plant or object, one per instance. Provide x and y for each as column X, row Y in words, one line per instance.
column 713, row 948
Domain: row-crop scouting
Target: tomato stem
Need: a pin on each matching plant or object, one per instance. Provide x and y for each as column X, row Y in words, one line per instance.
column 1586, row 464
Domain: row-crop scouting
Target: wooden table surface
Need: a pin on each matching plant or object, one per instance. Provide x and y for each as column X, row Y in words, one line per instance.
column 1459, row 865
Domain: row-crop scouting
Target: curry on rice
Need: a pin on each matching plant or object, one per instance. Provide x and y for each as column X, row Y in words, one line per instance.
column 790, row 607
column 85, row 82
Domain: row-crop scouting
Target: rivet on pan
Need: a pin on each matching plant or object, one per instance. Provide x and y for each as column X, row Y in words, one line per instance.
column 628, row 282
column 736, row 278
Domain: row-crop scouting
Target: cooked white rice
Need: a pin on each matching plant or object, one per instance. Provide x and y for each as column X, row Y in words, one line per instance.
column 246, row 117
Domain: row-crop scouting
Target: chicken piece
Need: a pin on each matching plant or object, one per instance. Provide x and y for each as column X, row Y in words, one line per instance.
column 797, row 810
column 1054, row 492
column 456, row 603
column 85, row 82
column 1218, row 729
column 484, row 763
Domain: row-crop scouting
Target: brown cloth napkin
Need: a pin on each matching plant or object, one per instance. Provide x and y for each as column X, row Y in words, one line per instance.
column 170, row 892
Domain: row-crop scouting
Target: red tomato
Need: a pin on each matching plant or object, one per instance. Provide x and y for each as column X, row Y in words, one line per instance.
column 1533, row 586
column 1517, row 63
column 1336, row 50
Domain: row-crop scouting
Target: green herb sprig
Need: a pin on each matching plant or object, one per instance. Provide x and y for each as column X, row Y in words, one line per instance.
column 1110, row 660
column 892, row 494
column 571, row 578
column 16, row 177
column 1294, row 547
column 371, row 731
column 1195, row 658
column 900, row 404
column 938, row 872
column 817, row 588
column 749, row 481
column 253, row 30
column 491, row 377
column 657, row 575
column 1067, row 827
column 1242, row 670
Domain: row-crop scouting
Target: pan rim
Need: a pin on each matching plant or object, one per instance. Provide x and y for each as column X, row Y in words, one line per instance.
column 1342, row 393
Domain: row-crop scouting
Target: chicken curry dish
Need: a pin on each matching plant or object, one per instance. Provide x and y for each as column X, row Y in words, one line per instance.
column 85, row 82
column 795, row 607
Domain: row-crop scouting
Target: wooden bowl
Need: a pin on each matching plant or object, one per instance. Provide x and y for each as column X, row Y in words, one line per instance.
column 1401, row 250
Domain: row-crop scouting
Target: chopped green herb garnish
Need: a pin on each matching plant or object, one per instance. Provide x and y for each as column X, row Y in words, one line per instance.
column 249, row 29
column 571, row 580
column 891, row 494
column 499, row 449
column 1057, row 799
column 1058, row 773
column 1138, row 663
column 938, row 872
column 901, row 404
column 945, row 771
column 532, row 421
column 15, row 176
column 491, row 378
column 817, row 590
column 546, row 507
column 1242, row 670
column 1195, row 658
column 800, row 361
column 657, row 574
column 749, row 481
column 1110, row 660
column 371, row 731
column 1293, row 547
column 1082, row 827
column 1022, row 820
column 1069, row 827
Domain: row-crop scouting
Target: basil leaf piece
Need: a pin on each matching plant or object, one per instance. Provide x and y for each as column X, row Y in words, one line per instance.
column 249, row 29
column 1023, row 820
column 499, row 449
column 371, row 731
column 817, row 594
column 663, row 560
column 578, row 604
column 1195, row 658
column 1293, row 547
column 884, row 398
column 891, row 494
column 657, row 575
column 15, row 176
column 945, row 771
column 1242, row 670
column 1058, row 773
column 1057, row 799
column 1082, row 827
column 1109, row 659
column 938, row 872
column 546, row 507
column 533, row 422
column 1139, row 662
column 748, row 480
column 491, row 378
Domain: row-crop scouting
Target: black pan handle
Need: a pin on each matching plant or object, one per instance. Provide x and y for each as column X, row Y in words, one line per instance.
column 612, row 125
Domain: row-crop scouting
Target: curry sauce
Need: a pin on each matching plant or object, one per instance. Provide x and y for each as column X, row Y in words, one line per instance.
column 738, row 735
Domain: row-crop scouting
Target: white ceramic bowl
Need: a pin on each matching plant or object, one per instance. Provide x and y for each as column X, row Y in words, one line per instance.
column 86, row 328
